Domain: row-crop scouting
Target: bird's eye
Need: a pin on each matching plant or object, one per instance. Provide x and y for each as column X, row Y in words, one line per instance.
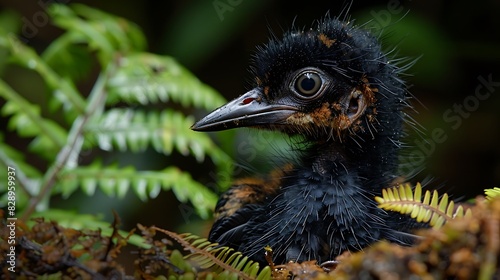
column 307, row 84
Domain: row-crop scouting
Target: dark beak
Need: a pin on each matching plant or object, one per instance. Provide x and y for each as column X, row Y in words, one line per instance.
column 250, row 109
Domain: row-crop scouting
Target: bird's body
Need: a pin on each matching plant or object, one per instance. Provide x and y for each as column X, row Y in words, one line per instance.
column 335, row 87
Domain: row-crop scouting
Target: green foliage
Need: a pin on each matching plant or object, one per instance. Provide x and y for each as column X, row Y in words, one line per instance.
column 431, row 209
column 492, row 193
column 73, row 220
column 222, row 262
column 138, row 101
column 147, row 78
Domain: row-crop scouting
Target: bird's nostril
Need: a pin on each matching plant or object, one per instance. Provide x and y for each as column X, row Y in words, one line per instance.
column 247, row 100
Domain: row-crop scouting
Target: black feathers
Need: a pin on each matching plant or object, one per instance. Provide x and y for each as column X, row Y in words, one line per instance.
column 333, row 46
column 333, row 85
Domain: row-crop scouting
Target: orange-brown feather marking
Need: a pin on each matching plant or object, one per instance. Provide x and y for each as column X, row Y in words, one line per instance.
column 250, row 190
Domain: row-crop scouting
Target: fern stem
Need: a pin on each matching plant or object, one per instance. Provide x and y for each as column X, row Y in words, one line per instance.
column 68, row 155
column 10, row 94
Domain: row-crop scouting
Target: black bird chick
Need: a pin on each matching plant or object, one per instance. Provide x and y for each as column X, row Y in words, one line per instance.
column 333, row 85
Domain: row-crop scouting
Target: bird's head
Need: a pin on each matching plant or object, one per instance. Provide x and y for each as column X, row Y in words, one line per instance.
column 329, row 82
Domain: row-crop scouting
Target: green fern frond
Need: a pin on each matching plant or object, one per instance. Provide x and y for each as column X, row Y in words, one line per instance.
column 115, row 181
column 492, row 193
column 16, row 159
column 429, row 209
column 62, row 88
column 145, row 78
column 127, row 36
column 63, row 53
column 103, row 32
column 26, row 119
column 135, row 130
column 128, row 75
column 85, row 28
column 220, row 259
column 26, row 176
column 84, row 24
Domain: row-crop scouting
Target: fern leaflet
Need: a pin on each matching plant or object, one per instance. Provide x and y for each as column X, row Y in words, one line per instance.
column 115, row 181
column 492, row 193
column 430, row 209
column 227, row 261
column 135, row 130
column 145, row 78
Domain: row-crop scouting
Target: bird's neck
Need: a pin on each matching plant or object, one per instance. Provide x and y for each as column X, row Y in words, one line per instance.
column 375, row 162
